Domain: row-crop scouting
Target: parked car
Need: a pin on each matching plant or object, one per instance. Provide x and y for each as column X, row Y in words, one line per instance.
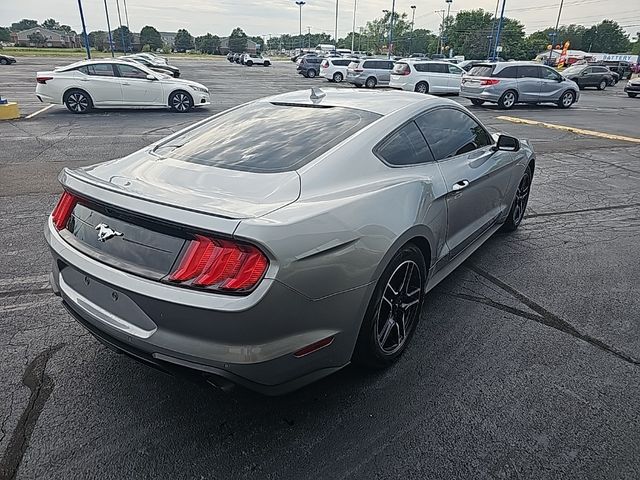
column 426, row 77
column 153, row 57
column 7, row 59
column 156, row 67
column 335, row 69
column 632, row 88
column 309, row 66
column 467, row 65
column 237, row 57
column 589, row 76
column 370, row 72
column 622, row 69
column 87, row 84
column 251, row 59
column 230, row 56
column 508, row 83
column 273, row 267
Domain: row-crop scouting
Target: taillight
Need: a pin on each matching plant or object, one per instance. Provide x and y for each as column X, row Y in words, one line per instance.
column 220, row 264
column 62, row 212
column 43, row 80
column 489, row 81
column 359, row 70
column 325, row 64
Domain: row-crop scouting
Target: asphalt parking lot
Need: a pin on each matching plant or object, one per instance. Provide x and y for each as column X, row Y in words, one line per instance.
column 526, row 363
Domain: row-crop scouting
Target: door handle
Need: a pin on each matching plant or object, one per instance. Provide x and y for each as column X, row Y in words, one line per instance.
column 125, row 83
column 460, row 185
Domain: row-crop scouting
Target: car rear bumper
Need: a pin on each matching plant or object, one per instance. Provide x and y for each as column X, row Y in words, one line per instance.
column 402, row 85
column 632, row 89
column 481, row 94
column 249, row 340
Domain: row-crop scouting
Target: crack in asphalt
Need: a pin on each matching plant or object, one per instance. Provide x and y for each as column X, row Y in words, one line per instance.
column 543, row 316
column 584, row 210
column 41, row 386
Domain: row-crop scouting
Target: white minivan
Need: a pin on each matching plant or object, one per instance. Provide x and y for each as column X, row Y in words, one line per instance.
column 426, row 77
column 335, row 69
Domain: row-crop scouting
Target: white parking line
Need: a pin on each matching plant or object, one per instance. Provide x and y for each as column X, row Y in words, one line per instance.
column 44, row 109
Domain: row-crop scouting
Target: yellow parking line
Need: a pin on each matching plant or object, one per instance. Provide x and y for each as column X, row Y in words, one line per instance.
column 579, row 131
column 44, row 109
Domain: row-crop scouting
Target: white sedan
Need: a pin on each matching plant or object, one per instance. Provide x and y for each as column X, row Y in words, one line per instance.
column 115, row 83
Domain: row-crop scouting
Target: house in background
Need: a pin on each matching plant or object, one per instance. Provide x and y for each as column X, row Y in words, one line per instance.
column 252, row 46
column 51, row 38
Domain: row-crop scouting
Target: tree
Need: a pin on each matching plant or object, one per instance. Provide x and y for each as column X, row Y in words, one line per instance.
column 183, row 41
column 51, row 24
column 237, row 40
column 606, row 37
column 5, row 34
column 635, row 46
column 37, row 39
column 117, row 35
column 23, row 24
column 377, row 31
column 423, row 41
column 99, row 40
column 150, row 36
column 207, row 43
column 469, row 32
column 259, row 42
column 66, row 28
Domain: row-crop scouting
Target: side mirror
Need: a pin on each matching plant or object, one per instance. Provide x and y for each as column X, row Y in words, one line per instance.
column 560, row 79
column 507, row 143
column 151, row 77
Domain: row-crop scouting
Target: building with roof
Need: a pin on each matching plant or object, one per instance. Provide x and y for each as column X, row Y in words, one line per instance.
column 252, row 47
column 42, row 37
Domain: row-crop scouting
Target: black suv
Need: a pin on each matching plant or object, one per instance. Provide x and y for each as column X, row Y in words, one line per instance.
column 589, row 76
column 309, row 66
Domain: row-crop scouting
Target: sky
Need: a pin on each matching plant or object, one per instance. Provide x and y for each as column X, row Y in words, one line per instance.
column 275, row 17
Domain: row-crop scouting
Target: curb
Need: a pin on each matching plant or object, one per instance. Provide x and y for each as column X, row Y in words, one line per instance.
column 9, row 111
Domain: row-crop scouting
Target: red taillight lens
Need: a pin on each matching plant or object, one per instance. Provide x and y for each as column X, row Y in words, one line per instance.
column 489, row 81
column 359, row 70
column 220, row 264
column 62, row 212
column 43, row 80
column 325, row 64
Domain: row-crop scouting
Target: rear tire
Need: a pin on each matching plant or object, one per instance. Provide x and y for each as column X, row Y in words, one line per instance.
column 371, row 82
column 519, row 205
column 508, row 100
column 180, row 101
column 477, row 102
column 78, row 101
column 394, row 310
column 422, row 87
column 602, row 85
column 337, row 77
column 249, row 63
column 632, row 95
column 266, row 64
column 4, row 61
column 311, row 73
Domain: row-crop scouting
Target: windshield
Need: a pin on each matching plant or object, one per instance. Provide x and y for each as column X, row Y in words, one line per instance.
column 261, row 137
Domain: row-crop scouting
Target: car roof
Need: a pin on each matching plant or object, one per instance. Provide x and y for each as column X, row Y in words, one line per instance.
column 382, row 102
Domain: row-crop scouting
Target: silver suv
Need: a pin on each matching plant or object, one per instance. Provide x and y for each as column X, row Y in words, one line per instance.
column 508, row 83
column 370, row 72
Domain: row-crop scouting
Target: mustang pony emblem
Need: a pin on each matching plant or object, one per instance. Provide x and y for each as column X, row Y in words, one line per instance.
column 105, row 233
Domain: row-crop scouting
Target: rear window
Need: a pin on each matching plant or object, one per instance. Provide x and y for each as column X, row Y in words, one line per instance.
column 263, row 137
column 482, row 70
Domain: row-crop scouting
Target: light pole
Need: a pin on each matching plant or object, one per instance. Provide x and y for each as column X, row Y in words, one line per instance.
column 121, row 29
column 106, row 12
column 353, row 30
column 441, row 12
column 493, row 29
column 449, row 2
column 336, row 31
column 300, row 3
column 495, row 48
column 84, row 31
column 555, row 33
column 309, row 37
column 393, row 13
column 413, row 19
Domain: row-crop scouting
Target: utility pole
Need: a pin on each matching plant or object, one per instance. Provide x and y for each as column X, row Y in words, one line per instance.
column 126, row 16
column 441, row 12
column 106, row 12
column 353, row 30
column 300, row 3
column 413, row 19
column 493, row 29
column 393, row 14
column 449, row 2
column 555, row 33
column 336, row 31
column 309, row 37
column 360, row 41
column 124, row 45
column 495, row 48
column 84, row 31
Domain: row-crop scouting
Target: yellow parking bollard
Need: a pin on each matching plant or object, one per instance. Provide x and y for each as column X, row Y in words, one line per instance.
column 9, row 111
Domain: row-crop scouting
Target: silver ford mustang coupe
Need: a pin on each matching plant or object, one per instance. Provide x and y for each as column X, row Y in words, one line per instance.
column 275, row 243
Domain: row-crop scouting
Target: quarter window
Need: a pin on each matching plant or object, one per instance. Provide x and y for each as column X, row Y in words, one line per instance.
column 451, row 132
column 406, row 146
column 438, row 68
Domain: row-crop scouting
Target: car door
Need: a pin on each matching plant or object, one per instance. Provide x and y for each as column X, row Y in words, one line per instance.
column 101, row 83
column 551, row 86
column 454, row 78
column 137, row 89
column 438, row 78
column 384, row 69
column 528, row 83
column 476, row 176
column 587, row 77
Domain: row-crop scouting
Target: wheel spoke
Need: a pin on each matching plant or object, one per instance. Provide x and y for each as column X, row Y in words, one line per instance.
column 386, row 331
